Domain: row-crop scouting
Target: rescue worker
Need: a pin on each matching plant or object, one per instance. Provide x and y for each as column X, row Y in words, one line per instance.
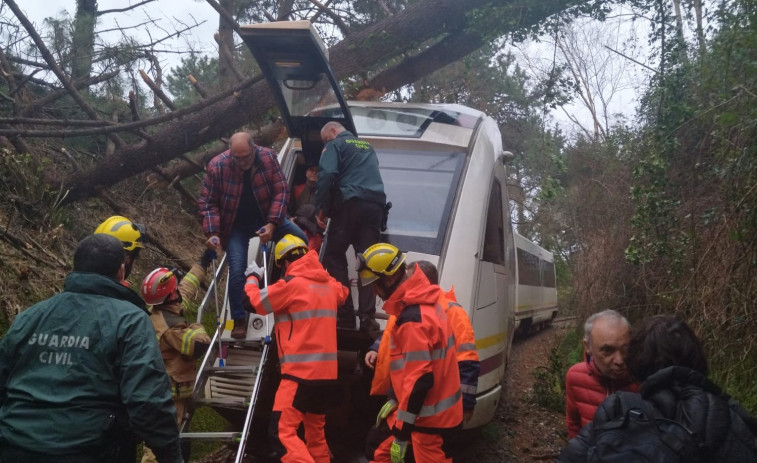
column 132, row 235
column 81, row 373
column 181, row 343
column 377, row 357
column 423, row 376
column 304, row 304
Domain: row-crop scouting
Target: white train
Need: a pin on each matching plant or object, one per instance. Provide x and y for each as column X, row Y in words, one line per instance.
column 443, row 169
column 537, row 289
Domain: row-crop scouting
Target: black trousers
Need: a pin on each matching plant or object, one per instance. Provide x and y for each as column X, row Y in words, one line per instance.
column 356, row 223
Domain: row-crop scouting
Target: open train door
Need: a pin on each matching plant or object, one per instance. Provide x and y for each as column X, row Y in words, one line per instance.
column 294, row 60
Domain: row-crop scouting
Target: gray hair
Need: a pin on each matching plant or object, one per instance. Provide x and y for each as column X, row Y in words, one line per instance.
column 609, row 313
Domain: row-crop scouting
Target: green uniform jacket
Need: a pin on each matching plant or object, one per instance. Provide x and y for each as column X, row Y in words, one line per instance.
column 70, row 362
column 350, row 164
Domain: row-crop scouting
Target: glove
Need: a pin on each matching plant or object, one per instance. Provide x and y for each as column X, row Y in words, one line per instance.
column 385, row 411
column 207, row 256
column 398, row 451
column 254, row 269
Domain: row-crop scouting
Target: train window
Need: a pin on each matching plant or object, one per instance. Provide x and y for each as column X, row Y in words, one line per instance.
column 528, row 268
column 494, row 237
column 548, row 274
column 421, row 186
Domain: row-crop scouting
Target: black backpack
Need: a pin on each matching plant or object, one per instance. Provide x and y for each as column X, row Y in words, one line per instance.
column 641, row 434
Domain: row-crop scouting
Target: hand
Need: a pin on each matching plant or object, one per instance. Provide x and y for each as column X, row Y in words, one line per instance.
column 266, row 232
column 467, row 415
column 370, row 359
column 213, row 243
column 208, row 256
column 321, row 219
column 398, row 451
column 385, row 411
column 254, row 269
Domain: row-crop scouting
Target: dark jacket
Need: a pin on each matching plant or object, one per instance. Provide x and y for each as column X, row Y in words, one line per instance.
column 720, row 425
column 349, row 165
column 69, row 363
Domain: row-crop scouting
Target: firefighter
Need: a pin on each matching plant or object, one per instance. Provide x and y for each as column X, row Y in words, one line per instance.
column 181, row 343
column 468, row 366
column 132, row 235
column 427, row 405
column 304, row 304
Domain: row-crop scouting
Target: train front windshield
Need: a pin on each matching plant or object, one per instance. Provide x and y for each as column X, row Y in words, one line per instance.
column 421, row 186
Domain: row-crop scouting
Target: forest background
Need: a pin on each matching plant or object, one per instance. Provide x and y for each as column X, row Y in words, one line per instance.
column 652, row 213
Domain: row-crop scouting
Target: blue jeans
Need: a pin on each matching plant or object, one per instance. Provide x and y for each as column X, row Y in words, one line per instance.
column 236, row 252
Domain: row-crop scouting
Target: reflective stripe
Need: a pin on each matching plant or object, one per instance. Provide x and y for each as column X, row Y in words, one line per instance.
column 304, row 358
column 186, row 340
column 192, row 279
column 306, row 314
column 421, row 355
column 466, row 347
column 430, row 410
column 264, row 301
column 468, row 389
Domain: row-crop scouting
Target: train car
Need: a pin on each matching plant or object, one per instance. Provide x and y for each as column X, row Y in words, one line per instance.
column 537, row 290
column 443, row 169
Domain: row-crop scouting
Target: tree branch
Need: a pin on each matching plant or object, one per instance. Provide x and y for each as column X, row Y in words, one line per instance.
column 121, row 10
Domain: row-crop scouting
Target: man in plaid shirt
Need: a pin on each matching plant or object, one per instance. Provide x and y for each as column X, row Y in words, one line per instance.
column 244, row 194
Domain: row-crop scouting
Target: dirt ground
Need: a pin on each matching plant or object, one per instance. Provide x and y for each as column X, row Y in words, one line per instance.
column 522, row 431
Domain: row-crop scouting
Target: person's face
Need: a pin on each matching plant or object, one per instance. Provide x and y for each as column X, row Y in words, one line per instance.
column 609, row 343
column 242, row 155
column 312, row 174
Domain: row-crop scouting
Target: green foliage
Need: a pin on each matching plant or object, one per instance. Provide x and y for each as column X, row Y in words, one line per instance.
column 549, row 381
column 203, row 68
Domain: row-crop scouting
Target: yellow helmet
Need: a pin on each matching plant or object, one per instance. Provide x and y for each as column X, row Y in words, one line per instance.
column 288, row 245
column 381, row 259
column 130, row 234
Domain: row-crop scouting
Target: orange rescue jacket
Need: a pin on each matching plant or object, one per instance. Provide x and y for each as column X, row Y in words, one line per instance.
column 304, row 305
column 423, row 368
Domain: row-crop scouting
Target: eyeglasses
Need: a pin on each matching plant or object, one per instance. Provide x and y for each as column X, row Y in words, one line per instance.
column 242, row 159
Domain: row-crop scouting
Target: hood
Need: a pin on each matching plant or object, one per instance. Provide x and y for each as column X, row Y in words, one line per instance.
column 308, row 267
column 416, row 290
column 93, row 283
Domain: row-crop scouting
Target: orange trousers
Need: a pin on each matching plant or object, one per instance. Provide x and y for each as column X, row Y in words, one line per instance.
column 314, row 449
column 427, row 448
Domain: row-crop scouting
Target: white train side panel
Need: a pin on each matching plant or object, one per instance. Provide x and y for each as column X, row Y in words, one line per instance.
column 537, row 289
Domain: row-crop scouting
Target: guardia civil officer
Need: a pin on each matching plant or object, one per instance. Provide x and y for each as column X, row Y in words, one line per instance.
column 81, row 372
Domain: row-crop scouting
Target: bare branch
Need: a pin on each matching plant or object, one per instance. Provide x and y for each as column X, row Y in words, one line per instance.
column 121, row 10
column 158, row 92
column 334, row 17
column 229, row 58
column 50, row 97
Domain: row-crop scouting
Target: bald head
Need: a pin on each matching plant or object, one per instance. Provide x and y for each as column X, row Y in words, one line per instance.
column 241, row 149
column 330, row 130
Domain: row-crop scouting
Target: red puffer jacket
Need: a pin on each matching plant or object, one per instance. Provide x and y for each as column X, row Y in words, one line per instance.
column 585, row 389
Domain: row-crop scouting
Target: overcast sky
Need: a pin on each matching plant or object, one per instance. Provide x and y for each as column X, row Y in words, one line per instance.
column 173, row 14
column 170, row 15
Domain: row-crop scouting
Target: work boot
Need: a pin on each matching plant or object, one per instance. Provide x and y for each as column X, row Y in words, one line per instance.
column 368, row 324
column 240, row 329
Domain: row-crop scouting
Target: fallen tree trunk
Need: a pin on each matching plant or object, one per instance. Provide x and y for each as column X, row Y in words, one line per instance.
column 360, row 51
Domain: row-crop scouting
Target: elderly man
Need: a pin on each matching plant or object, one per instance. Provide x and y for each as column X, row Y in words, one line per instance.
column 244, row 194
column 603, row 371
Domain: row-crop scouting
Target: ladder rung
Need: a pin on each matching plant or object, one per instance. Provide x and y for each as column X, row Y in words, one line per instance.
column 234, row 369
column 211, row 436
column 223, row 401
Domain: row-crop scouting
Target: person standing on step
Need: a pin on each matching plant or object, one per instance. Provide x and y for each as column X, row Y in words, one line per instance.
column 244, row 194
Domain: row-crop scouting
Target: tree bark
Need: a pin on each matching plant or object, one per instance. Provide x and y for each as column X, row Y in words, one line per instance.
column 226, row 37
column 362, row 50
column 83, row 40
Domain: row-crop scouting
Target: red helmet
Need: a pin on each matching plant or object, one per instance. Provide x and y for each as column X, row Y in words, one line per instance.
column 159, row 285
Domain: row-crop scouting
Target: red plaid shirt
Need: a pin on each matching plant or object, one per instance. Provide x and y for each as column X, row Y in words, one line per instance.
column 222, row 189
